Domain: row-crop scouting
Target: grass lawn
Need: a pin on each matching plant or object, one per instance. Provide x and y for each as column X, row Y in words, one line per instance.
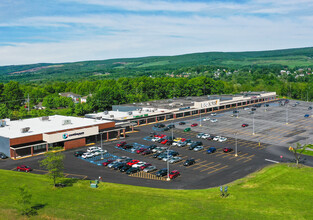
column 276, row 192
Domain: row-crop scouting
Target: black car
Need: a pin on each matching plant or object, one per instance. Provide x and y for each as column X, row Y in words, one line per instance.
column 151, row 147
column 162, row 172
column 166, row 129
column 189, row 162
column 169, row 142
column 132, row 170
column 119, row 165
column 77, row 153
column 127, row 146
column 182, row 123
column 170, row 138
column 3, row 156
column 171, row 126
column 125, row 168
column 310, row 108
column 156, row 155
column 253, row 109
column 195, row 144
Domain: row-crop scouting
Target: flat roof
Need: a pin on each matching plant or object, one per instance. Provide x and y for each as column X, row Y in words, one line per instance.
column 53, row 124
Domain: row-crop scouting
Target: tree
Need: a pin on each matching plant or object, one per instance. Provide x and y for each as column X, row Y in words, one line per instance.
column 4, row 111
column 24, row 202
column 53, row 162
column 13, row 95
column 297, row 151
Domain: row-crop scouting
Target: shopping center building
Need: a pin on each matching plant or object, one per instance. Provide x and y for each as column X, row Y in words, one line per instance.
column 161, row 110
column 28, row 137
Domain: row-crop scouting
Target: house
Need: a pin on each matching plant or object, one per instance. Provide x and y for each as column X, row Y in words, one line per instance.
column 84, row 98
column 73, row 96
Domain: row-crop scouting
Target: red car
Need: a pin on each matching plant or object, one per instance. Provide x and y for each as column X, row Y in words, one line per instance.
column 140, row 150
column 24, row 168
column 145, row 166
column 121, row 144
column 173, row 174
column 164, row 141
column 244, row 125
column 107, row 162
column 183, row 139
column 194, row 125
column 227, row 149
column 132, row 162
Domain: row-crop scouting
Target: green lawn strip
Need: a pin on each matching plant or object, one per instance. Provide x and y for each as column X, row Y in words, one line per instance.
column 276, row 192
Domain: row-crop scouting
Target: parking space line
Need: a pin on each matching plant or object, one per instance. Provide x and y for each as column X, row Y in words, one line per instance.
column 218, row 169
column 246, row 157
column 202, row 165
column 211, row 167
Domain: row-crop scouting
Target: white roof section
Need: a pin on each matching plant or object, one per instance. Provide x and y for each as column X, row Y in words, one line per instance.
column 53, row 124
column 121, row 115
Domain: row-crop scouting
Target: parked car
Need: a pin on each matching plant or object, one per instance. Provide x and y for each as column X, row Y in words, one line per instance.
column 155, row 139
column 24, row 168
column 174, row 174
column 108, row 162
column 140, row 150
column 134, row 149
column 151, row 147
column 110, row 165
column 99, row 152
column 160, row 140
column 227, row 149
column 149, row 169
column 195, row 144
column 246, row 108
column 213, row 114
column 206, row 119
column 198, row 148
column 211, row 150
column 164, row 141
column 170, row 142
column 170, row 126
column 213, row 120
column 222, row 139
column 121, row 144
column 87, row 155
column 210, row 138
column 306, row 115
column 194, row 125
column 162, row 172
column 244, row 125
column 310, row 108
column 156, row 155
column 216, row 138
column 132, row 170
column 167, row 157
column 118, row 165
column 131, row 163
column 125, row 168
column 3, row 156
column 166, row 129
column 205, row 136
column 175, row 159
column 123, row 159
column 200, row 135
column 76, row 154
column 189, row 162
column 189, row 141
column 92, row 149
column 145, row 166
column 181, row 144
column 182, row 123
column 146, row 152
column 127, row 146
column 187, row 129
column 139, row 164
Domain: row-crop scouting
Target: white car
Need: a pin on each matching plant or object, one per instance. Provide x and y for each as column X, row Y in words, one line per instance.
column 216, row 138
column 155, row 139
column 137, row 165
column 213, row 120
column 213, row 114
column 246, row 108
column 200, row 135
column 206, row 119
column 182, row 144
column 205, row 136
column 175, row 143
column 222, row 139
column 167, row 158
column 99, row 152
column 92, row 149
column 87, row 155
column 112, row 164
column 175, row 159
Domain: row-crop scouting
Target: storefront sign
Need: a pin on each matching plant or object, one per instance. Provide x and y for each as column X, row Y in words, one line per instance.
column 208, row 104
column 69, row 135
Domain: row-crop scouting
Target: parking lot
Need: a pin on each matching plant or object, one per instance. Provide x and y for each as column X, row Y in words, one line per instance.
column 274, row 132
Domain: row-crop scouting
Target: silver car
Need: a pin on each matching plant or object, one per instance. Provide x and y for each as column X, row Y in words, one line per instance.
column 112, row 164
column 175, row 159
column 149, row 169
column 198, row 148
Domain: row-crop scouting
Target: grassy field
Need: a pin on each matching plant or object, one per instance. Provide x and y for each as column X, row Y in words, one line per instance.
column 276, row 192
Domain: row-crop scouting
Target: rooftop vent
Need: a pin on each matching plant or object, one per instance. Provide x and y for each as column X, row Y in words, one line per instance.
column 3, row 123
column 66, row 122
column 25, row 130
column 45, row 118
column 130, row 113
column 105, row 112
column 111, row 116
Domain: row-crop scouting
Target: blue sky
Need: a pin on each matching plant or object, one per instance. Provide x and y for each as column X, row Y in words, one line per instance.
column 33, row 31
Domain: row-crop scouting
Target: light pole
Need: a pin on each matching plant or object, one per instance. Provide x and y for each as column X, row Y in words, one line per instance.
column 236, row 145
column 253, row 124
column 101, row 146
column 286, row 113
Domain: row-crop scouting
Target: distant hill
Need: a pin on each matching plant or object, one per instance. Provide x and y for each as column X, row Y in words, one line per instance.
column 154, row 65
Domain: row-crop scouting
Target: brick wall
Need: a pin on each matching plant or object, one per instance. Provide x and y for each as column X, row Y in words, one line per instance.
column 74, row 143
